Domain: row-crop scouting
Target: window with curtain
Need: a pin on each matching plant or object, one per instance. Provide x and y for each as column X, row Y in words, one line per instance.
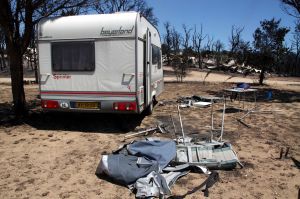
column 73, row 56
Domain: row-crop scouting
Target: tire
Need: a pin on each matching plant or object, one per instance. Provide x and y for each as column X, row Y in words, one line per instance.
column 149, row 109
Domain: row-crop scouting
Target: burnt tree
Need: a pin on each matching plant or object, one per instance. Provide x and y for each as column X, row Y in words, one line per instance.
column 17, row 20
column 198, row 38
column 111, row 6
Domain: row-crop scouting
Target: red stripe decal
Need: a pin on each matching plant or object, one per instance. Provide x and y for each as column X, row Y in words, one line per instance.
column 85, row 93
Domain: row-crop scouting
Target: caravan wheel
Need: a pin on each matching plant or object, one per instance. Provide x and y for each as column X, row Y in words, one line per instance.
column 149, row 109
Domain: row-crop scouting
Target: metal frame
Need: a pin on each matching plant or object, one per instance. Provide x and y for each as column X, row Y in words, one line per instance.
column 243, row 92
column 212, row 119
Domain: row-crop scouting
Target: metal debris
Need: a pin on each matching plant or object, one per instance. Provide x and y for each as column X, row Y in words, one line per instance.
column 285, row 153
column 296, row 162
column 159, row 128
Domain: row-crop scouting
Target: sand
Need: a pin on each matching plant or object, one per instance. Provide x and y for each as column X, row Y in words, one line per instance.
column 56, row 155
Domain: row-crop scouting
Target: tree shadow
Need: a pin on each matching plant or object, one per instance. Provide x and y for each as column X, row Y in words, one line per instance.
column 190, row 129
column 262, row 94
column 7, row 117
column 84, row 122
column 69, row 121
column 230, row 110
column 109, row 179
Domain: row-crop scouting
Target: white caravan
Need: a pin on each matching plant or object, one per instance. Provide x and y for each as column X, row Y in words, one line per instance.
column 99, row 63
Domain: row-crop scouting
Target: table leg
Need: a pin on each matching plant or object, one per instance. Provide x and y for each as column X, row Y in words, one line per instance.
column 254, row 100
column 244, row 97
column 212, row 119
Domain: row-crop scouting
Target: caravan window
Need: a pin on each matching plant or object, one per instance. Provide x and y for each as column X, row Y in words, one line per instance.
column 156, row 56
column 73, row 56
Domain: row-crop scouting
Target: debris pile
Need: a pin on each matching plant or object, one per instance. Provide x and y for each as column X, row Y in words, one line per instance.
column 196, row 101
column 150, row 167
column 144, row 167
column 161, row 128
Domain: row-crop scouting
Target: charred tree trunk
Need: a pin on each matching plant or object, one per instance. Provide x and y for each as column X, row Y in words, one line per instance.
column 296, row 67
column 35, row 69
column 28, row 62
column 262, row 76
column 200, row 61
column 169, row 58
column 31, row 62
column 3, row 64
column 16, row 70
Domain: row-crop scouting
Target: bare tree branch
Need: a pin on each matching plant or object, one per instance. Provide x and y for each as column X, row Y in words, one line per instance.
column 17, row 20
column 187, row 36
column 209, row 43
column 111, row 6
column 291, row 7
column 168, row 41
column 198, row 38
column 176, row 41
column 235, row 38
column 218, row 47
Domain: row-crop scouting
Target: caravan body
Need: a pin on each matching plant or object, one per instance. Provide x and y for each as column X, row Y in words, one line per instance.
column 99, row 63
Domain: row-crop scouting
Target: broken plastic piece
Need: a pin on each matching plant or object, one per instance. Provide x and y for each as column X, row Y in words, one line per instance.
column 202, row 104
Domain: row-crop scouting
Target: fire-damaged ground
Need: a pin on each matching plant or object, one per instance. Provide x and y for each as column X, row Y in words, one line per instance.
column 56, row 155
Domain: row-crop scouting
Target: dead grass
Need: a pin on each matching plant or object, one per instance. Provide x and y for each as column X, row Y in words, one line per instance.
column 56, row 155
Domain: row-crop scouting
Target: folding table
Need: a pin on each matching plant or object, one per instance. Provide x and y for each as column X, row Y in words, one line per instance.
column 243, row 92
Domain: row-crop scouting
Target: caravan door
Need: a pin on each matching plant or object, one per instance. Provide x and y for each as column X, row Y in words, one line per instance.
column 147, row 69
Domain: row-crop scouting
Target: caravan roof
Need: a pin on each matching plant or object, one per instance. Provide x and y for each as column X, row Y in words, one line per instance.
column 121, row 24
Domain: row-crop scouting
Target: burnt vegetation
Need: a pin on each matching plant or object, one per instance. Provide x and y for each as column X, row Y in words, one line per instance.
column 182, row 49
column 266, row 53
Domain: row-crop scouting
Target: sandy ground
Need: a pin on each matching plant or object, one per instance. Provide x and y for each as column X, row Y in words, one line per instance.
column 56, row 155
column 194, row 75
column 199, row 76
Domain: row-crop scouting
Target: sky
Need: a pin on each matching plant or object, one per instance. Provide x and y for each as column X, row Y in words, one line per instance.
column 218, row 16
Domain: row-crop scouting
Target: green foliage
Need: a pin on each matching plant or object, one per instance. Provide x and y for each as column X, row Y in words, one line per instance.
column 179, row 67
column 269, row 41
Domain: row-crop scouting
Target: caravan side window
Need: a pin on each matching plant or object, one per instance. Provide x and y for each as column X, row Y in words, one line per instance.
column 73, row 56
column 156, row 56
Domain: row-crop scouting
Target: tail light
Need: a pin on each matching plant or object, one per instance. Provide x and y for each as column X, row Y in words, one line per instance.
column 124, row 106
column 50, row 104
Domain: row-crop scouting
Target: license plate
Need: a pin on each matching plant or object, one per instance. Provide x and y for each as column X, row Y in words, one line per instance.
column 87, row 105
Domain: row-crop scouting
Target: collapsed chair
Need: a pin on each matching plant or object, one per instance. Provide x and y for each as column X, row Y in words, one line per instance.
column 142, row 166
